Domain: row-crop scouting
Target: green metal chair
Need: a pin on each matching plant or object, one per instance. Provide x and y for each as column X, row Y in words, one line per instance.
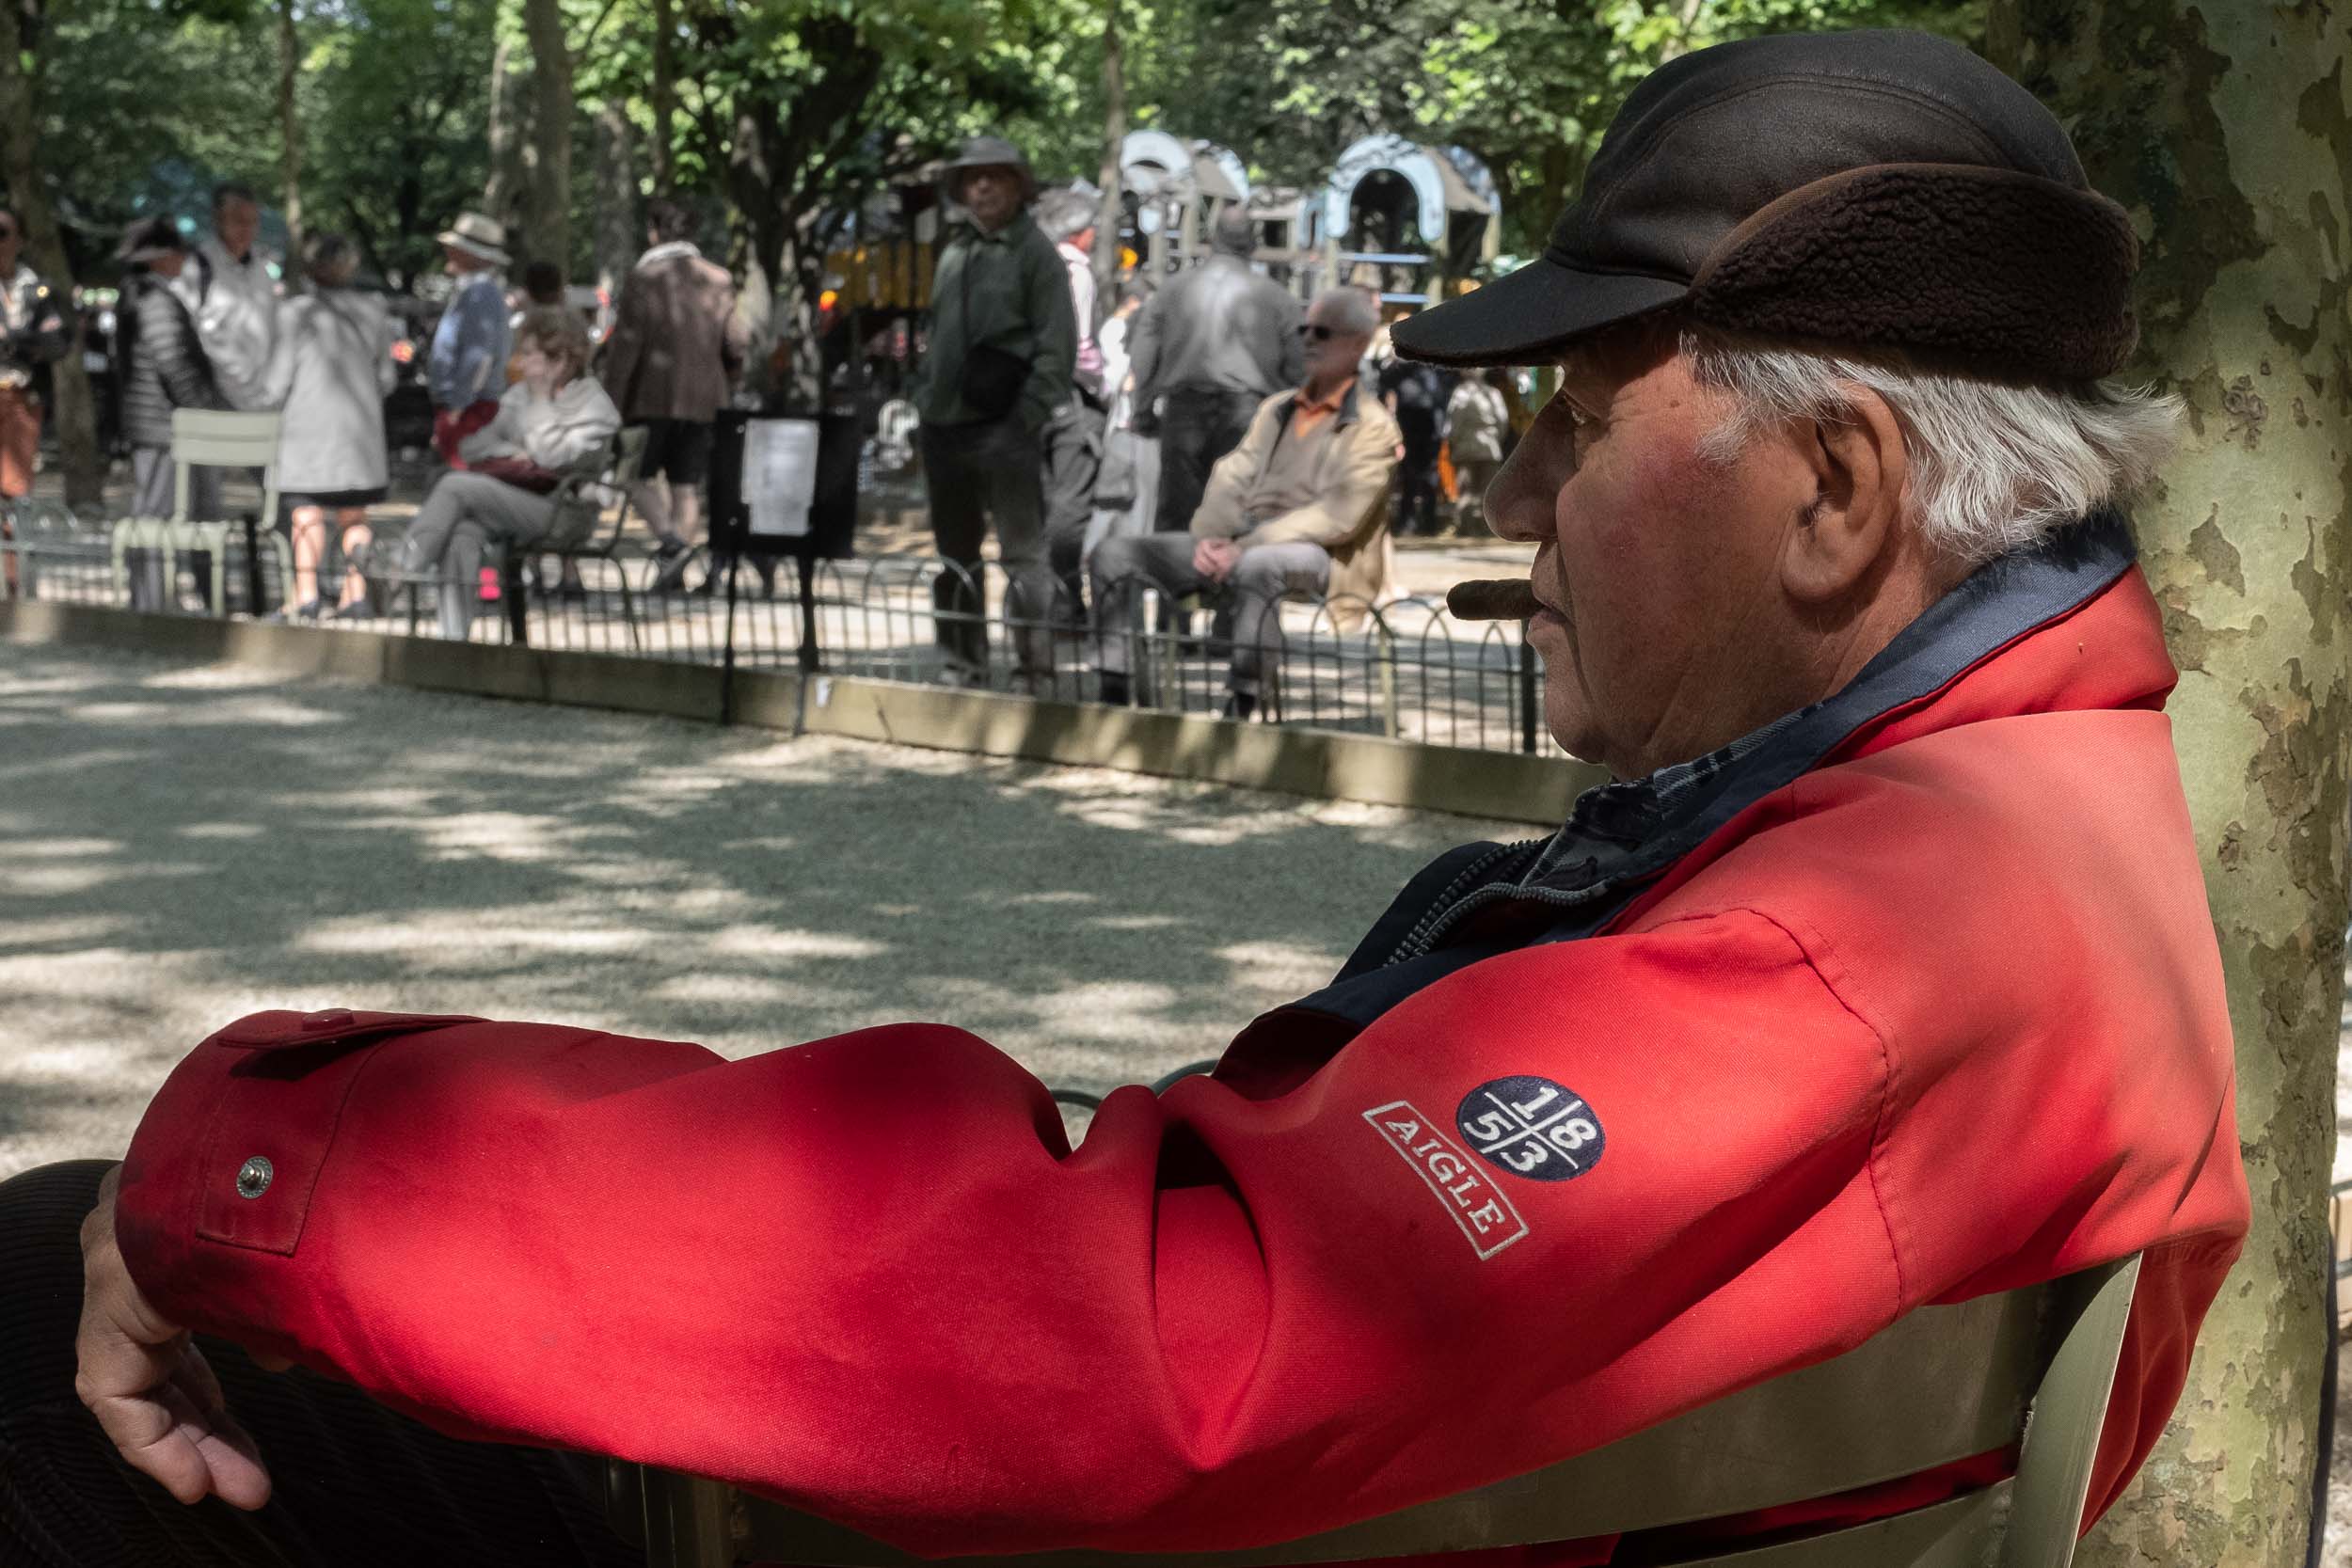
column 2031, row 1368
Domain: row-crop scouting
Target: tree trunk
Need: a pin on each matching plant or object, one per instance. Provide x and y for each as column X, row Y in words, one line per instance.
column 548, row 229
column 618, row 232
column 506, row 194
column 1114, row 136
column 19, row 164
column 290, row 132
column 664, row 99
column 2223, row 130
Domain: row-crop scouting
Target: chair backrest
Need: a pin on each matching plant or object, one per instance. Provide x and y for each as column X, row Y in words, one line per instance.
column 1942, row 1384
column 616, row 469
column 207, row 438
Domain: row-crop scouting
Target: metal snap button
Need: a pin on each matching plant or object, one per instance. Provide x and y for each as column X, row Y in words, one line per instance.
column 253, row 1177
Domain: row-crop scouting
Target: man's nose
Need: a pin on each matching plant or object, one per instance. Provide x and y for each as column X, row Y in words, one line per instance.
column 1525, row 490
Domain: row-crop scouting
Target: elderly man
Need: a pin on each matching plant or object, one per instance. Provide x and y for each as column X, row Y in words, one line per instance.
column 230, row 289
column 466, row 370
column 1209, row 348
column 1880, row 976
column 1002, row 348
column 1297, row 507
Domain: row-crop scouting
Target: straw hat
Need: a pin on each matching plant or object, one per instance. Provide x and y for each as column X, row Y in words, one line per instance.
column 478, row 236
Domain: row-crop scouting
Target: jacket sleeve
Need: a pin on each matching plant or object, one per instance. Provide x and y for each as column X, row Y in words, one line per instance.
column 170, row 335
column 1222, row 513
column 1360, row 479
column 1552, row 1198
column 1053, row 360
column 1143, row 350
column 278, row 376
column 556, row 434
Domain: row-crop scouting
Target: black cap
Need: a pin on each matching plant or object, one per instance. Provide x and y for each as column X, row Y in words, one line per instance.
column 1862, row 188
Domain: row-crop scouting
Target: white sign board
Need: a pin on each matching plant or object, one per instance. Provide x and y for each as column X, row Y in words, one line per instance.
column 780, row 476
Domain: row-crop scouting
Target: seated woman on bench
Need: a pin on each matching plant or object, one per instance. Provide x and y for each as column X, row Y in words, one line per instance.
column 551, row 420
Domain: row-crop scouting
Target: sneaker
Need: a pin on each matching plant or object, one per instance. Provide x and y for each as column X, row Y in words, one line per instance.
column 1116, row 691
column 1241, row 704
column 673, row 572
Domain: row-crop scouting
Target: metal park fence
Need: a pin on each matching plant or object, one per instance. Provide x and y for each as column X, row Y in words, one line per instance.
column 1401, row 669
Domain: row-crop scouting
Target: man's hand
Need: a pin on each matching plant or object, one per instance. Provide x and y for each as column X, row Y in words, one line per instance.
column 148, row 1384
column 1214, row 557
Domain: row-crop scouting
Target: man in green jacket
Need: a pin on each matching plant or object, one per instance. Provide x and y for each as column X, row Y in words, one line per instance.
column 1004, row 341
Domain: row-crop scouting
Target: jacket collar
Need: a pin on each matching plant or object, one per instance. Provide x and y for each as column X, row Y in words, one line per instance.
column 1347, row 412
column 1621, row 834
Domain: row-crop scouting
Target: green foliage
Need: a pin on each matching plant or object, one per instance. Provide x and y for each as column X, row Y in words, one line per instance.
column 791, row 113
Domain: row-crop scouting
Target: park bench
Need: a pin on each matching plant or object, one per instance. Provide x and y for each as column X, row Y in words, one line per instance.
column 2029, row 1370
column 206, row 439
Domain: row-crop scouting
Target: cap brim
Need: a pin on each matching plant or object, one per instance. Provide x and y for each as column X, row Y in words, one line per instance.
column 1526, row 317
column 456, row 240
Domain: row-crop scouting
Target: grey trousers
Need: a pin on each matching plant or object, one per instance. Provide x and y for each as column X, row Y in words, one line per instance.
column 974, row 475
column 461, row 514
column 152, row 482
column 1258, row 583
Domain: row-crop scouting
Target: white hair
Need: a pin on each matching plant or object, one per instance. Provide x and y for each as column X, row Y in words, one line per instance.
column 1994, row 465
column 1347, row 308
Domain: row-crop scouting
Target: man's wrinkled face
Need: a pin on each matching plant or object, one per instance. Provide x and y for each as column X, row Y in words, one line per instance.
column 237, row 221
column 990, row 195
column 1333, row 349
column 1658, row 567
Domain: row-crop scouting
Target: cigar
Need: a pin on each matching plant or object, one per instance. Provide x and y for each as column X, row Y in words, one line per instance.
column 1491, row 599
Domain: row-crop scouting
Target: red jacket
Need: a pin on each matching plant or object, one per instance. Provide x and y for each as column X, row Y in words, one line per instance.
column 1941, row 1015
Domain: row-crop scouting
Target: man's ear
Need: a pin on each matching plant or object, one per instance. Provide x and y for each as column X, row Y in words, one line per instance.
column 1859, row 467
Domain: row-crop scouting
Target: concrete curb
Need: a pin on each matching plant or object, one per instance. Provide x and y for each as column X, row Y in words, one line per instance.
column 1321, row 764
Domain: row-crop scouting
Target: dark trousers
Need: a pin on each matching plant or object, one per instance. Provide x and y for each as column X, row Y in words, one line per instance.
column 1196, row 429
column 355, row 1485
column 976, row 474
column 1074, row 457
column 1416, row 481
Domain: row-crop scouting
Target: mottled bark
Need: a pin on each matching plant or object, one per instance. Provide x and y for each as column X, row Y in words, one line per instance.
column 2224, row 129
column 547, row 223
column 1105, row 257
column 20, row 165
column 506, row 193
column 619, row 233
column 289, row 133
column 664, row 99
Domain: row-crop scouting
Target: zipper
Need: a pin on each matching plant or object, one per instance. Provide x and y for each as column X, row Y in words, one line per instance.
column 1437, row 926
column 1436, row 921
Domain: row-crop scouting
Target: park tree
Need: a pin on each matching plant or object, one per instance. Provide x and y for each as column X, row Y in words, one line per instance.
column 2227, row 131
column 28, row 189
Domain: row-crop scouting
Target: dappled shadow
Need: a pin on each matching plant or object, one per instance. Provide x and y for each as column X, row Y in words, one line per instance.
column 191, row 843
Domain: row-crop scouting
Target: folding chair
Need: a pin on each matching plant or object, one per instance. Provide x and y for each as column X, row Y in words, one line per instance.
column 2030, row 1368
column 205, row 438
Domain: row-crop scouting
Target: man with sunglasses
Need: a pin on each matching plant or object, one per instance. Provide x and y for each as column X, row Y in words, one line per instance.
column 1296, row 507
column 33, row 332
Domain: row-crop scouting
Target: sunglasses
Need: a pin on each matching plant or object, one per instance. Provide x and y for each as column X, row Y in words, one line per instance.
column 1316, row 331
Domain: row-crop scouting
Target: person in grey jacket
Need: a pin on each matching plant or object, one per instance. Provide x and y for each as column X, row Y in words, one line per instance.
column 1004, row 345
column 331, row 372
column 1214, row 343
column 163, row 368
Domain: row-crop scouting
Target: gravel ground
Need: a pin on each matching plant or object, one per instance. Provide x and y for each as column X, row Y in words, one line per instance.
column 191, row 843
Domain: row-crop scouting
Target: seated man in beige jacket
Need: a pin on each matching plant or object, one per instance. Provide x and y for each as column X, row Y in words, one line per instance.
column 1297, row 507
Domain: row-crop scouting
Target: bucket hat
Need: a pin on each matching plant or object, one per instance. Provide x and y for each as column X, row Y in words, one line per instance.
column 477, row 235
column 986, row 152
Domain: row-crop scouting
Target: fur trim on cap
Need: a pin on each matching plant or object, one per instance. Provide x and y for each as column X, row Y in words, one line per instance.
column 1987, row 267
